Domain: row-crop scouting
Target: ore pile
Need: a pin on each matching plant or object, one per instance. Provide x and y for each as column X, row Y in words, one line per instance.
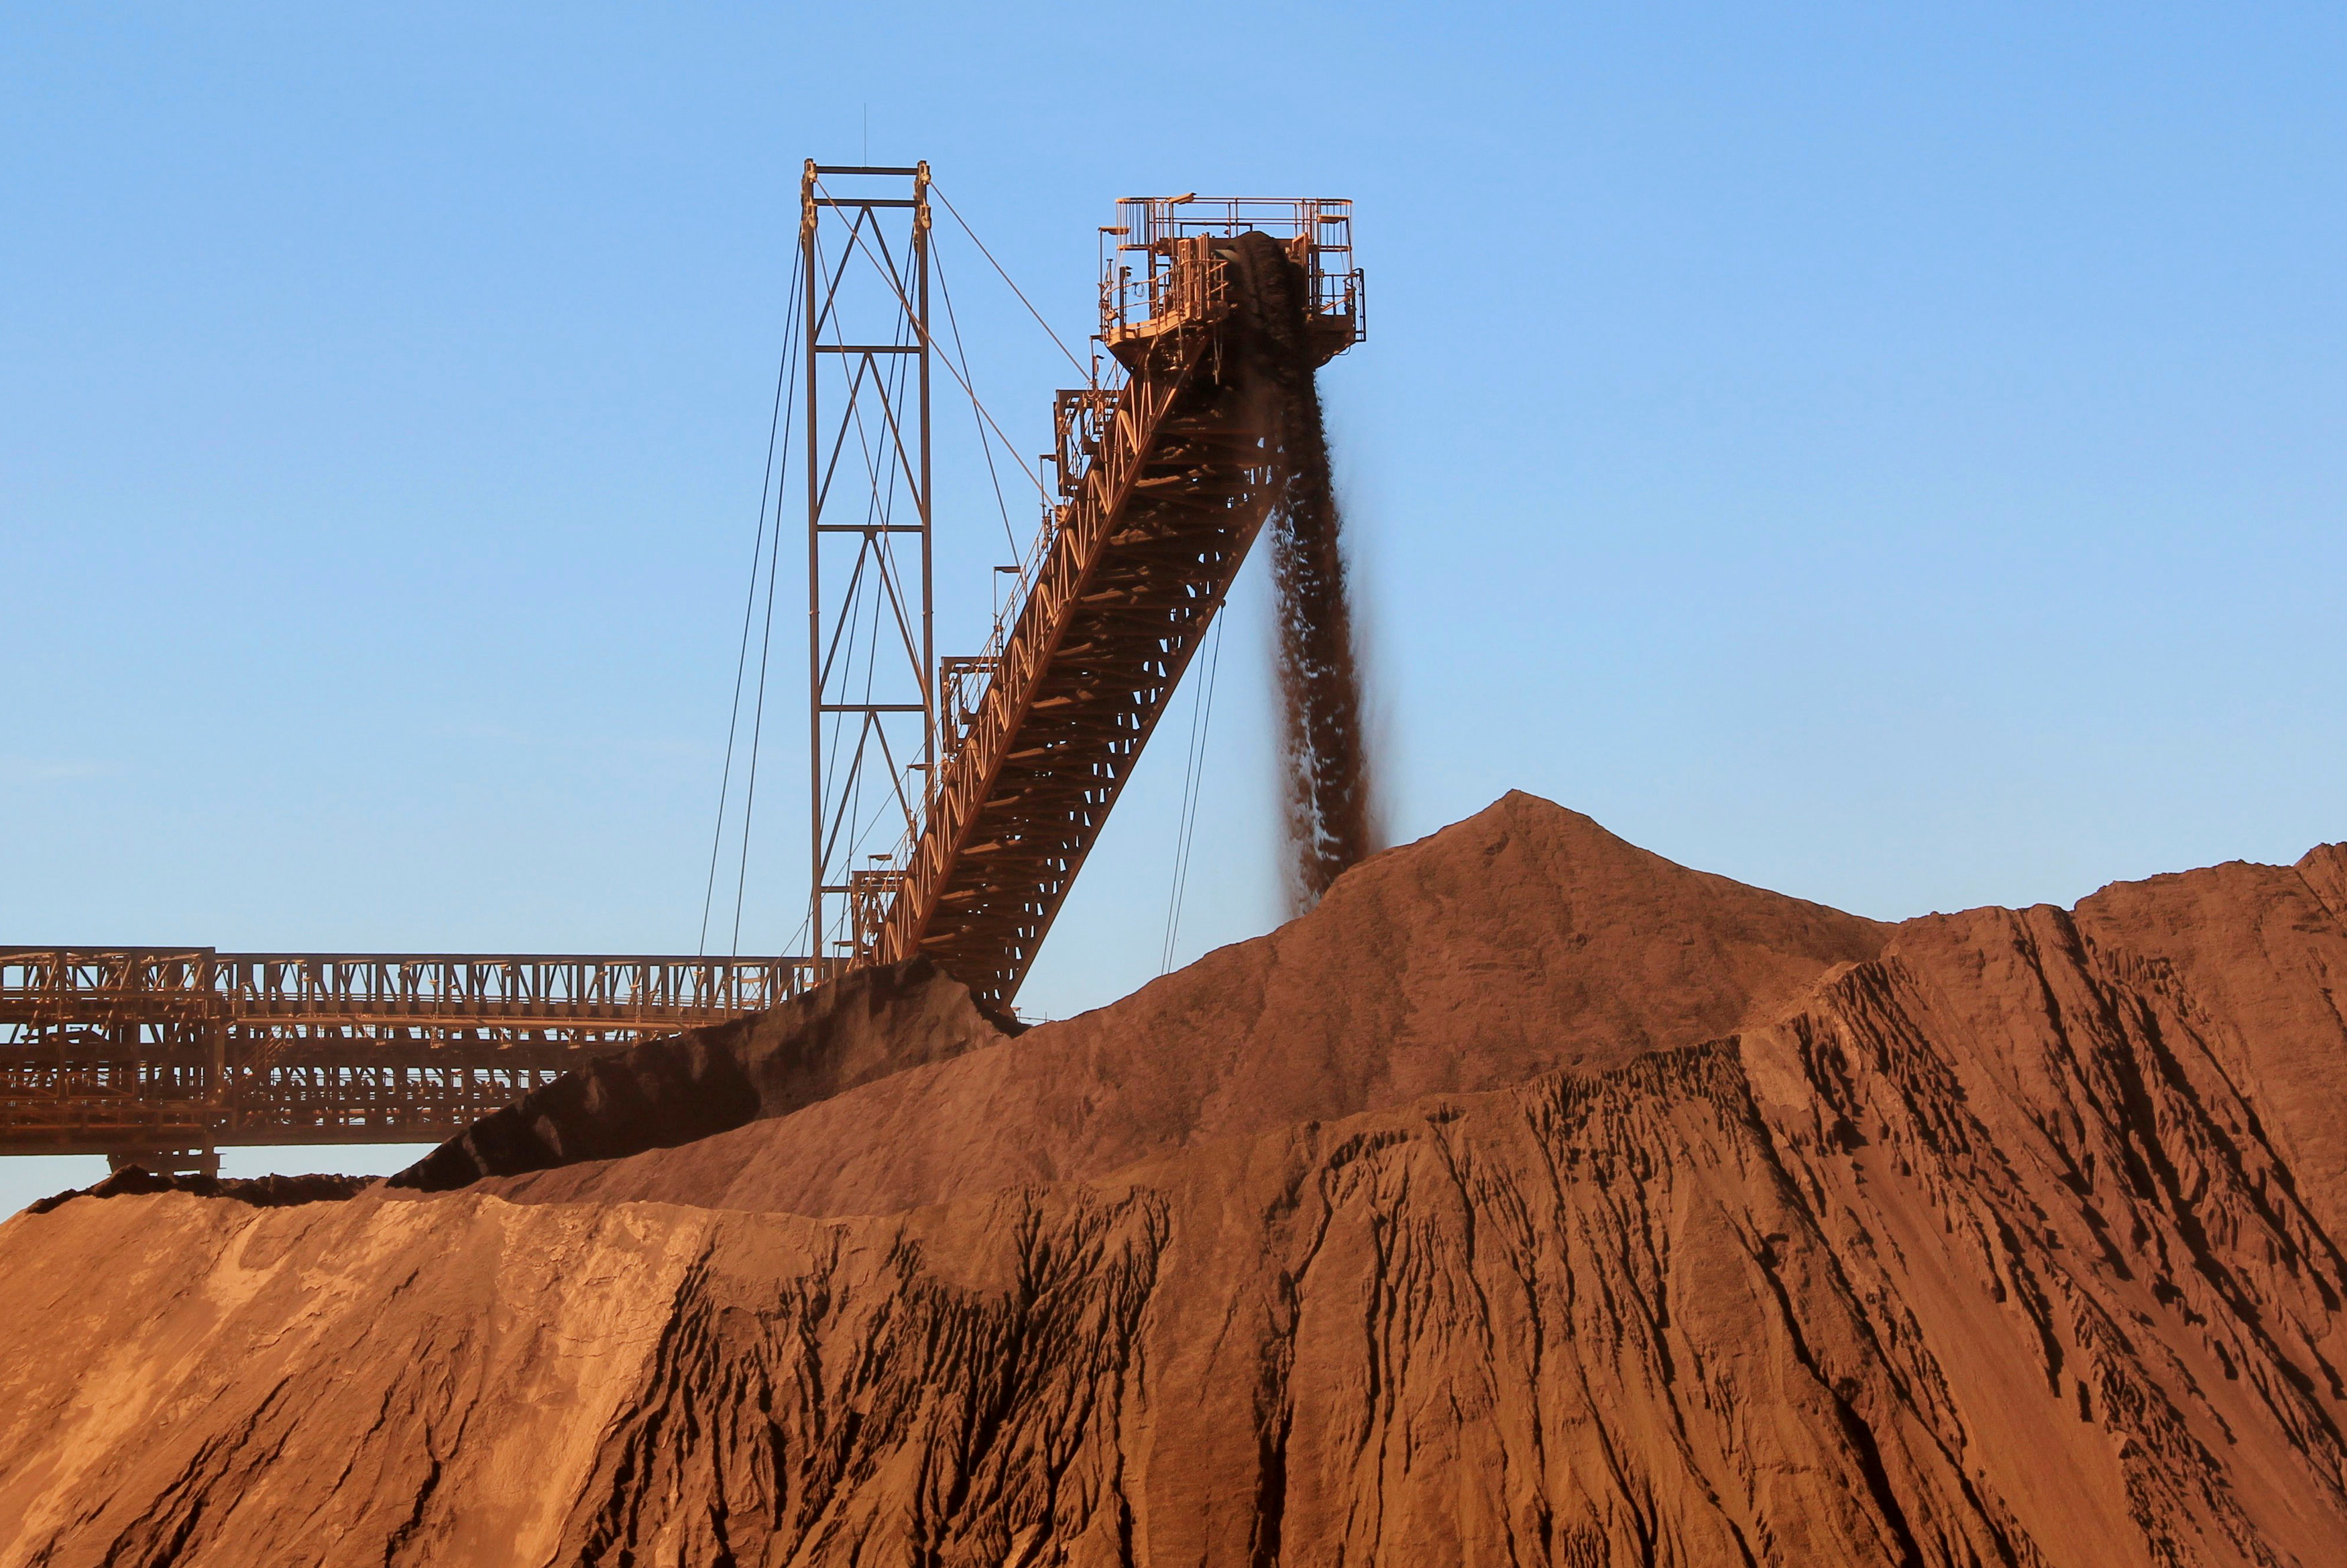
column 1532, row 1200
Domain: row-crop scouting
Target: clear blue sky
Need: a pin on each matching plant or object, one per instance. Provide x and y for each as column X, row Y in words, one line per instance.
column 1889, row 453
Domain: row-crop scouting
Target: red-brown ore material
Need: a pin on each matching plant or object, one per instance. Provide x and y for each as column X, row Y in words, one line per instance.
column 1325, row 786
column 1532, row 1200
column 262, row 1192
column 663, row 1092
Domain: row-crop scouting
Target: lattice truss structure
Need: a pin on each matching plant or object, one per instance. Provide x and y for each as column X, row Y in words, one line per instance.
column 952, row 802
column 1166, row 477
column 867, row 353
column 163, row 1055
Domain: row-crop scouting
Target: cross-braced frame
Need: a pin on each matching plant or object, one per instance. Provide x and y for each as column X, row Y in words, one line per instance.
column 871, row 691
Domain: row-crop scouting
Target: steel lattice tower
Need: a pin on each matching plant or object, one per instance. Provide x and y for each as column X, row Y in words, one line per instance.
column 871, row 655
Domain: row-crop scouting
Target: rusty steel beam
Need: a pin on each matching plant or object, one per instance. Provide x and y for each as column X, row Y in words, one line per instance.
column 164, row 1056
column 1168, row 478
column 126, row 1049
column 871, row 646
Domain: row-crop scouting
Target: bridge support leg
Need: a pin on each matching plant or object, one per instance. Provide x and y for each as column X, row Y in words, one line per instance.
column 871, row 645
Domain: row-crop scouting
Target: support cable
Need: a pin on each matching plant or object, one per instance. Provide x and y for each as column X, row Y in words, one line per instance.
column 767, row 642
column 757, row 728
column 984, row 445
column 1080, row 367
column 767, row 486
column 1202, row 719
column 967, row 391
column 846, row 829
column 880, row 509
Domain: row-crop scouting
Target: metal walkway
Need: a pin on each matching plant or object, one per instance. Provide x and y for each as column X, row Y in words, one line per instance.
column 161, row 1056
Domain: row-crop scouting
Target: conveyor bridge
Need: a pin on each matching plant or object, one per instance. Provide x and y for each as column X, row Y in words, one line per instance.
column 1165, row 469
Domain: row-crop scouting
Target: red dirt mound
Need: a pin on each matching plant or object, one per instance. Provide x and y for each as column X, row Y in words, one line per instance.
column 1524, row 939
column 667, row 1091
column 262, row 1192
column 1996, row 1238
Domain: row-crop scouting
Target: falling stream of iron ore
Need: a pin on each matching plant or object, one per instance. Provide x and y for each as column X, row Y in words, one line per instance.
column 1323, row 753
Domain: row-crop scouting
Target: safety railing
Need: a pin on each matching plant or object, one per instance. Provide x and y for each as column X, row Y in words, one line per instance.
column 1142, row 287
column 91, row 988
